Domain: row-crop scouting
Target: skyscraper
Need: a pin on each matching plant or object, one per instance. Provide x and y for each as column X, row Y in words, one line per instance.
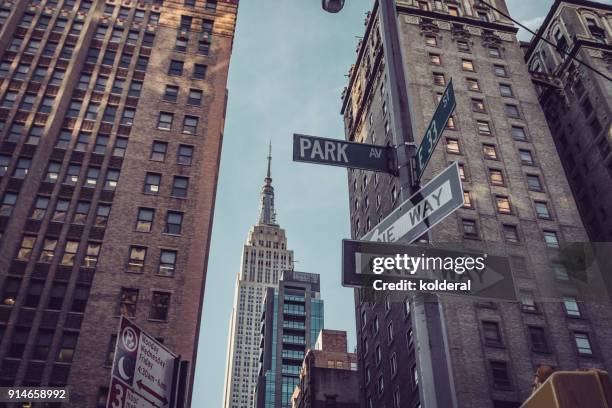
column 577, row 102
column 516, row 197
column 111, row 123
column 291, row 321
column 264, row 257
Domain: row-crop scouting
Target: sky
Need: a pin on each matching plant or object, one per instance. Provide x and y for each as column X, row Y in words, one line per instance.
column 288, row 69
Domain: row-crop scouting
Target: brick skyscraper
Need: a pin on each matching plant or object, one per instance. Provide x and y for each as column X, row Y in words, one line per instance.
column 112, row 117
column 516, row 197
column 578, row 102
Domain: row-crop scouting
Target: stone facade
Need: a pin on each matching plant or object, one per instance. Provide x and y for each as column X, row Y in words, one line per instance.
column 114, row 213
column 519, row 200
column 578, row 103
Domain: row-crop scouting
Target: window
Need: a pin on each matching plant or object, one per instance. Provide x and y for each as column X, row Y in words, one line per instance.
column 380, row 385
column 100, row 32
column 142, row 63
column 527, row 301
column 494, row 52
column 174, row 223
column 79, row 300
column 152, row 182
column 462, row 174
column 128, row 300
column 439, row 79
column 120, row 146
column 496, row 177
column 136, row 260
column 542, row 210
column 68, row 344
column 431, row 40
column 469, row 228
column 180, row 44
column 512, row 111
column 435, row 59
column 72, row 174
column 70, row 250
column 190, row 125
column 483, row 16
column 92, row 55
column 533, row 182
column 8, row 202
column 452, row 146
column 74, row 109
column 61, row 209
column 506, row 90
column 453, row 11
column 159, row 306
column 46, row 104
column 102, row 213
column 9, row 99
column 167, row 262
column 537, row 336
column 91, row 255
column 491, row 333
column 4, row 164
column 176, row 68
column 560, row 271
column 211, row 6
column 499, row 372
column 473, row 85
column 171, row 93
column 109, row 58
column 518, row 133
column 510, row 233
column 15, row 132
column 127, row 118
column 39, row 74
column 34, row 291
column 10, row 290
column 125, row 60
column 199, row 71
column 92, row 111
column 21, row 72
column 112, row 178
column 135, row 89
column 467, row 65
column 42, row 345
column 48, row 251
column 82, row 210
column 101, row 143
column 571, row 307
column 195, row 97
column 18, row 342
column 484, row 128
column 118, row 85
column 23, row 165
column 158, row 151
column 489, row 151
column 500, row 70
column 82, row 142
column 463, row 46
column 551, row 239
column 583, row 343
column 165, row 121
column 503, row 205
column 478, row 106
column 526, row 157
column 185, row 155
column 144, row 221
column 467, row 200
column 63, row 139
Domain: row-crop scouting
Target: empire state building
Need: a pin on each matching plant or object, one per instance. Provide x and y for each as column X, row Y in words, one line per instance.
column 264, row 257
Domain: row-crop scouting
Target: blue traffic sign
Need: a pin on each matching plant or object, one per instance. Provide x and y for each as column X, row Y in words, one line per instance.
column 434, row 130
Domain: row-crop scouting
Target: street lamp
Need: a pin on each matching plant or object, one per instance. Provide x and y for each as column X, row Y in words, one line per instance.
column 332, row 6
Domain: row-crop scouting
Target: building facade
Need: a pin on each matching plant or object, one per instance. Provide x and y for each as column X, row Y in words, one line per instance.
column 578, row 102
column 329, row 376
column 111, row 127
column 516, row 198
column 291, row 320
column 265, row 256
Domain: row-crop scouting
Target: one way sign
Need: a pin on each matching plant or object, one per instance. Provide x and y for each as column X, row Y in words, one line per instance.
column 415, row 216
column 311, row 149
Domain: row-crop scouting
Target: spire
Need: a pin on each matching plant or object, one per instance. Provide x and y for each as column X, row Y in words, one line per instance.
column 267, row 215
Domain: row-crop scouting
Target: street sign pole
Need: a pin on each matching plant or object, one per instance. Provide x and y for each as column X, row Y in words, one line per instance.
column 433, row 357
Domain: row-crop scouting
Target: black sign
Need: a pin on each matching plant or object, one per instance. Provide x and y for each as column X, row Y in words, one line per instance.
column 311, row 149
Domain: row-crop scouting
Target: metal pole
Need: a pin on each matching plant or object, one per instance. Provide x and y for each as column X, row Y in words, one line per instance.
column 436, row 389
